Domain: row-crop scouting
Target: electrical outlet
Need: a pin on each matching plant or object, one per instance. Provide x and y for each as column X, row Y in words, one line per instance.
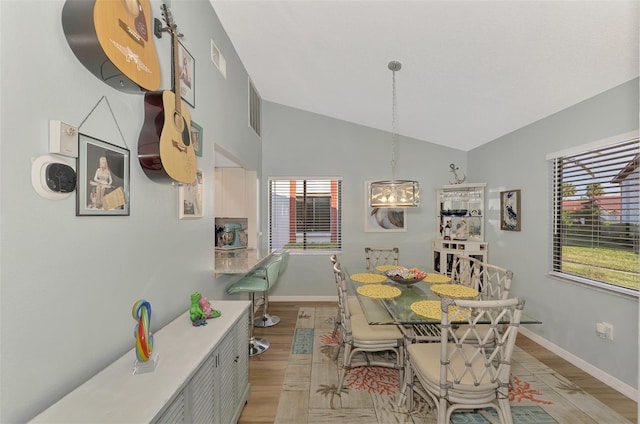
column 604, row 330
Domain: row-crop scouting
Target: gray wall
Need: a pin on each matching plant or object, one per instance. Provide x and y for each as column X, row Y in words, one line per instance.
column 517, row 161
column 298, row 143
column 68, row 283
column 302, row 144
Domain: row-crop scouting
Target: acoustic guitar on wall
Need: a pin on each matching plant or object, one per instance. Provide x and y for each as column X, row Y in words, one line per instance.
column 113, row 40
column 165, row 151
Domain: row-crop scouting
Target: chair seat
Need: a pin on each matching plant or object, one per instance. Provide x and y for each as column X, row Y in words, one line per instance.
column 361, row 330
column 248, row 284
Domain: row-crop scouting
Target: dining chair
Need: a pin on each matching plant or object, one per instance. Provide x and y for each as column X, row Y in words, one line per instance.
column 381, row 256
column 492, row 281
column 354, row 303
column 252, row 284
column 266, row 320
column 457, row 374
column 357, row 336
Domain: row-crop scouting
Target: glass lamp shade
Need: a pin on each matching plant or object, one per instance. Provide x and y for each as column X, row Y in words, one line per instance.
column 394, row 194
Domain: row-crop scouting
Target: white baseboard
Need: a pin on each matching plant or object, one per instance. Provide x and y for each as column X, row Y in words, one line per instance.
column 595, row 372
column 304, row 299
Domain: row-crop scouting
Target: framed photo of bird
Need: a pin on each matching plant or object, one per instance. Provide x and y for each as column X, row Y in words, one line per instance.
column 510, row 214
column 382, row 220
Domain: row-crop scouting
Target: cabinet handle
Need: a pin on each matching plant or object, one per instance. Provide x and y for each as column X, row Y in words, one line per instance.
column 237, row 358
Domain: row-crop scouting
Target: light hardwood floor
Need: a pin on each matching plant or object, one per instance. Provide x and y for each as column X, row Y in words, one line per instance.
column 266, row 371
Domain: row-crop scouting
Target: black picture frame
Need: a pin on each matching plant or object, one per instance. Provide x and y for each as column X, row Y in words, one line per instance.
column 510, row 213
column 187, row 78
column 102, row 191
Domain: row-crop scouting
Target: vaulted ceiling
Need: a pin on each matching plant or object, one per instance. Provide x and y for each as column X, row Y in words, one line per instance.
column 472, row 71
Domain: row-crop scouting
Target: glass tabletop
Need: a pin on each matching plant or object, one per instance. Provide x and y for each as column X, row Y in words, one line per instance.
column 397, row 310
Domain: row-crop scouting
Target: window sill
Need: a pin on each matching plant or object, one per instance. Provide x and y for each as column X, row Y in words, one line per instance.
column 594, row 285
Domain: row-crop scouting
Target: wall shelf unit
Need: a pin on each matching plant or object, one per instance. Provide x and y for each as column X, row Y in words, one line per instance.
column 460, row 216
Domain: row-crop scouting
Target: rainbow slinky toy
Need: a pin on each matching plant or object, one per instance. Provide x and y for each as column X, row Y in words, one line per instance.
column 141, row 312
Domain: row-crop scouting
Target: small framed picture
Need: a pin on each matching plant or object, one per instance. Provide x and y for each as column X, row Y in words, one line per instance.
column 187, row 69
column 510, row 216
column 103, row 178
column 190, row 201
column 196, row 138
column 382, row 220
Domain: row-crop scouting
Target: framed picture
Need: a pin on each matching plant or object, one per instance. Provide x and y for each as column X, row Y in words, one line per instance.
column 190, row 198
column 382, row 220
column 196, row 138
column 510, row 216
column 187, row 68
column 103, row 178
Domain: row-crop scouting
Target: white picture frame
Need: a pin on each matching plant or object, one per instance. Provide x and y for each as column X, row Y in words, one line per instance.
column 191, row 198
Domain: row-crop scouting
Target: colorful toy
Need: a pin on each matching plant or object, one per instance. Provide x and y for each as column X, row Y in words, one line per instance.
column 201, row 310
column 141, row 312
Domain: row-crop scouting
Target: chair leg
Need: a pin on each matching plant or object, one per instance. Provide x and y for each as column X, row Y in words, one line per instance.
column 266, row 320
column 257, row 345
column 336, row 325
column 346, row 363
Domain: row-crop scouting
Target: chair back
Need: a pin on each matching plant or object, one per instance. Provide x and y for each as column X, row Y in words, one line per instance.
column 273, row 271
column 343, row 295
column 492, row 281
column 468, row 361
column 381, row 256
column 284, row 261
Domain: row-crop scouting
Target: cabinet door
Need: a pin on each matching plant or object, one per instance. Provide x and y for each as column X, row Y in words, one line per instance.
column 202, row 406
column 227, row 381
column 175, row 413
column 233, row 193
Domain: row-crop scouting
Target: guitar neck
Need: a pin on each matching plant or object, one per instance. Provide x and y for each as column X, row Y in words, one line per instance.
column 176, row 71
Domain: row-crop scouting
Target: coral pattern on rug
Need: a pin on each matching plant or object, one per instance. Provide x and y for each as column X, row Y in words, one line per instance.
column 370, row 394
column 523, row 391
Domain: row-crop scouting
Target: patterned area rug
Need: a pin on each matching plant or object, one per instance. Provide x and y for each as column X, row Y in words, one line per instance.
column 539, row 395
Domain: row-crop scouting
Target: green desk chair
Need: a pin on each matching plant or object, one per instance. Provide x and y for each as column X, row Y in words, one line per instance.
column 266, row 320
column 252, row 284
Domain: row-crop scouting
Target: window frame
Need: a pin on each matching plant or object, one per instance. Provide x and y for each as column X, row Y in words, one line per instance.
column 555, row 215
column 335, row 222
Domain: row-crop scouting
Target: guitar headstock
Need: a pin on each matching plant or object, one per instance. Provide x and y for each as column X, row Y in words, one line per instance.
column 167, row 16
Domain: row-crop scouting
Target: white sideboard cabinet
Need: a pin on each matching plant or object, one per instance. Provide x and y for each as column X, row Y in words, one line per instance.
column 202, row 376
column 460, row 213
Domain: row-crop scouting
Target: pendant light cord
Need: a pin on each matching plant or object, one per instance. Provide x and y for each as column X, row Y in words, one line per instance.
column 394, row 66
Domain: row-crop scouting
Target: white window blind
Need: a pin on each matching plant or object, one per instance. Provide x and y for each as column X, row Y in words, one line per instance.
column 596, row 216
column 305, row 214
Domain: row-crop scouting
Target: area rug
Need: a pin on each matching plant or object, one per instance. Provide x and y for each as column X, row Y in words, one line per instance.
column 539, row 395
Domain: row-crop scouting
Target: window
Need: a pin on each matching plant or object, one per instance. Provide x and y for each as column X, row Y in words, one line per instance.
column 305, row 214
column 255, row 110
column 596, row 215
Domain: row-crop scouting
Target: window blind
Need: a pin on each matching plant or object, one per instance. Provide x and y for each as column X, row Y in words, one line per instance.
column 596, row 215
column 305, row 214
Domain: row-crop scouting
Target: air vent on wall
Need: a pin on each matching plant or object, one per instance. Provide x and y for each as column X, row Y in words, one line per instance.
column 218, row 59
column 255, row 109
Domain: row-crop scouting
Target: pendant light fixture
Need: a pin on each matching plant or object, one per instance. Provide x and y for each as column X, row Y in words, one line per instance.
column 394, row 193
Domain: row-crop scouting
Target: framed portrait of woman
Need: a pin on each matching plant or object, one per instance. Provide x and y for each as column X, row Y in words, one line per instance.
column 103, row 178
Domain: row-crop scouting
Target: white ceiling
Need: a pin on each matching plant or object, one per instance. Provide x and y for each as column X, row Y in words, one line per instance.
column 472, row 71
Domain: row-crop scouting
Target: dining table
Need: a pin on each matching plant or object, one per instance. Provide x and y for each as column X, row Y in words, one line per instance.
column 397, row 310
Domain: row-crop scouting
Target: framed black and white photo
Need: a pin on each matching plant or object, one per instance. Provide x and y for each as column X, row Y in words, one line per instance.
column 103, row 178
column 196, row 138
column 187, row 68
column 190, row 201
column 510, row 216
